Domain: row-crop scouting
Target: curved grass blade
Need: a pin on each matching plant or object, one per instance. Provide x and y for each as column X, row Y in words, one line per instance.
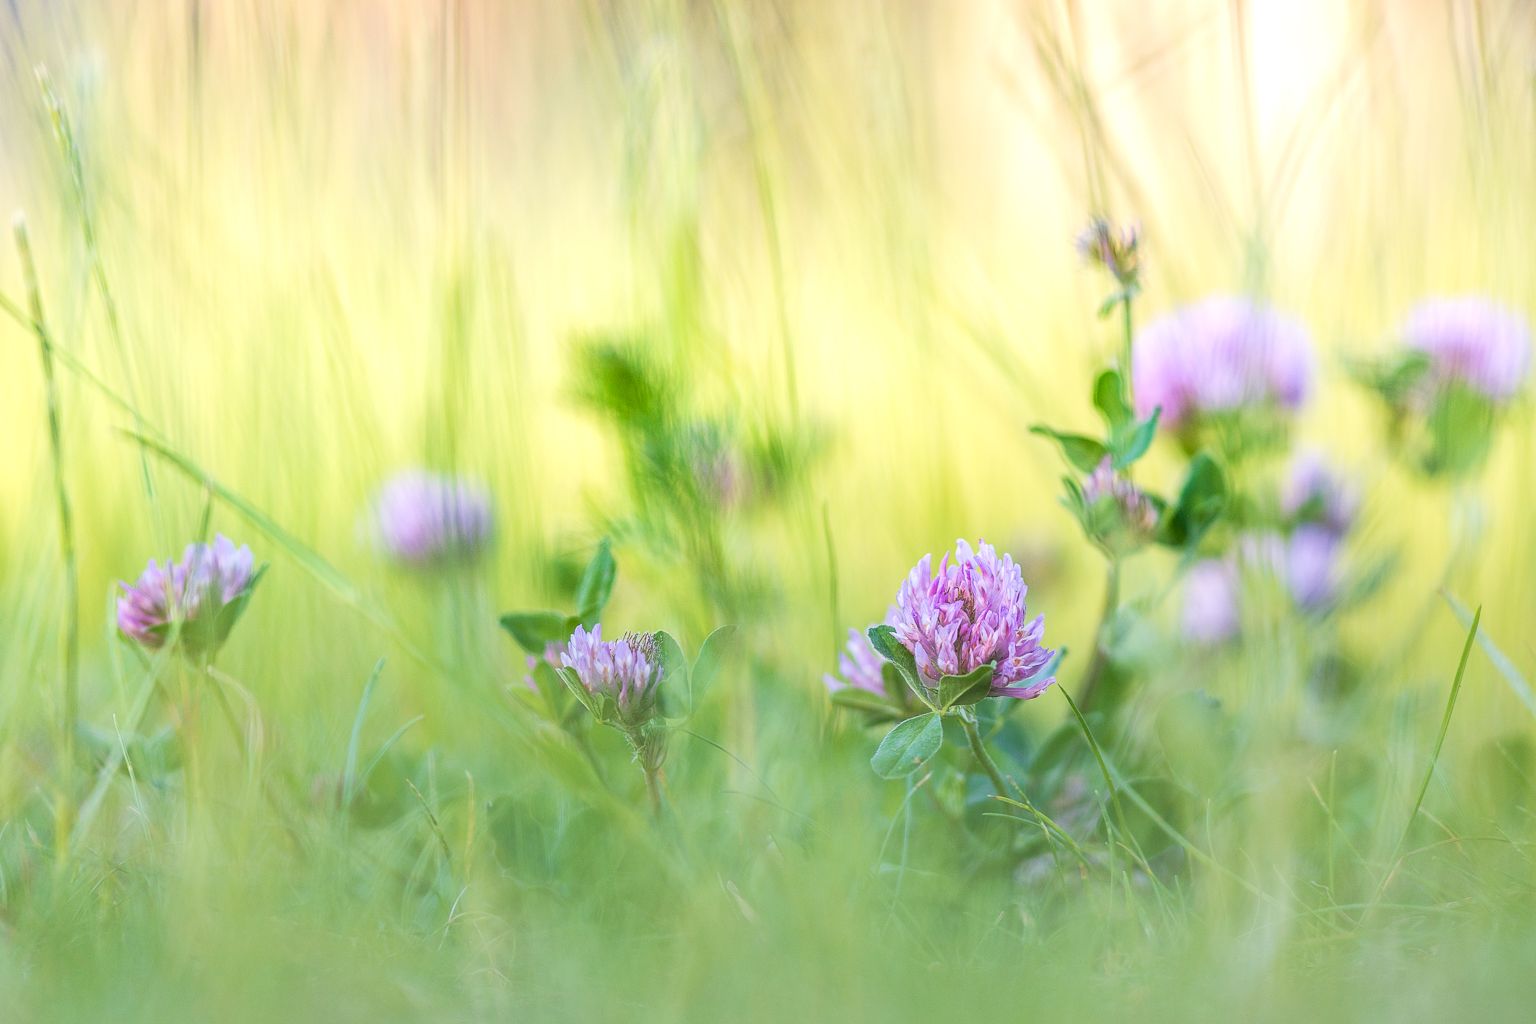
column 1500, row 660
column 1445, row 725
column 349, row 773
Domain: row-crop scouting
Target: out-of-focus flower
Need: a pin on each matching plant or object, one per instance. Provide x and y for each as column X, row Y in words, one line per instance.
column 550, row 657
column 424, row 518
column 1306, row 564
column 205, row 593
column 1114, row 249
column 859, row 667
column 1219, row 355
column 1312, row 566
column 1211, row 591
column 1122, row 517
column 1471, row 341
column 970, row 613
column 715, row 465
column 1314, row 493
column 627, row 670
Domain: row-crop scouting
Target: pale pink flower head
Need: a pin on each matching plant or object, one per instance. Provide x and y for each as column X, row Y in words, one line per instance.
column 1132, row 516
column 550, row 657
column 1473, row 342
column 969, row 613
column 428, row 518
column 1312, row 566
column 1116, row 249
column 1306, row 564
column 1220, row 355
column 627, row 670
column 1316, row 493
column 1211, row 591
column 203, row 594
column 858, row 666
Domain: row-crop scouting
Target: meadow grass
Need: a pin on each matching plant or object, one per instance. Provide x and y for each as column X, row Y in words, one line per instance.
column 274, row 252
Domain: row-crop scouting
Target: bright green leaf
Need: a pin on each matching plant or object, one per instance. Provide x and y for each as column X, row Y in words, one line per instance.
column 908, row 746
column 883, row 639
column 1460, row 431
column 533, row 631
column 676, row 695
column 1136, row 441
column 545, row 681
column 716, row 650
column 230, row 613
column 596, row 584
column 1202, row 500
column 1082, row 452
column 573, row 684
column 961, row 691
column 1109, row 399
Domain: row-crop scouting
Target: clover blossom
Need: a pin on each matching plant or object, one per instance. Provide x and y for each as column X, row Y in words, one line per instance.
column 1122, row 516
column 1210, row 614
column 1471, row 341
column 1306, row 564
column 627, row 670
column 1314, row 493
column 1114, row 249
column 619, row 681
column 204, row 593
column 550, row 657
column 859, row 667
column 1312, row 566
column 971, row 613
column 714, row 464
column 425, row 518
column 1220, row 355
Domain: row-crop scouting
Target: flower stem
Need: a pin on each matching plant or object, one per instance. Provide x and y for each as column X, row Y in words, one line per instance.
column 242, row 742
column 114, row 762
column 653, row 789
column 1100, row 660
column 650, row 756
column 189, row 732
column 1127, row 333
column 979, row 751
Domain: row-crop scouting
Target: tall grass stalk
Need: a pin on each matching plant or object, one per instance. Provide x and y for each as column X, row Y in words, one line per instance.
column 69, row 708
column 69, row 148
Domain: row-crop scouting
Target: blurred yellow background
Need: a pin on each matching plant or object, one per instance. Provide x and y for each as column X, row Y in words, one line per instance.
column 345, row 237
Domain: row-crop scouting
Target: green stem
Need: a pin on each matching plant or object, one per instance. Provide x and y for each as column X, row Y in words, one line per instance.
column 189, row 732
column 114, row 761
column 249, row 751
column 979, row 751
column 71, row 710
column 1127, row 332
column 650, row 755
column 219, row 680
column 1094, row 674
column 653, row 789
